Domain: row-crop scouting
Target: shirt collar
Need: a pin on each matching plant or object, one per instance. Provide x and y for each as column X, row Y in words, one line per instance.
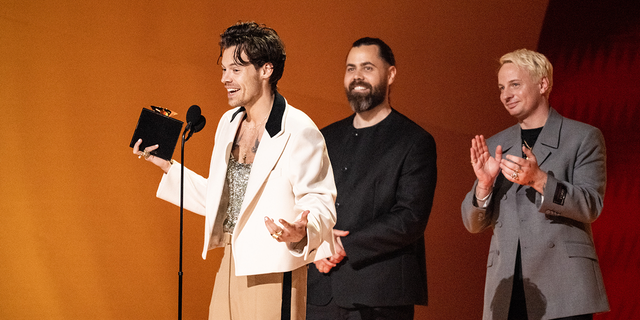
column 274, row 123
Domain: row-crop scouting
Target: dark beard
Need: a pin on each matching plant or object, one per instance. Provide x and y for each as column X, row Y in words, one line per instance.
column 364, row 102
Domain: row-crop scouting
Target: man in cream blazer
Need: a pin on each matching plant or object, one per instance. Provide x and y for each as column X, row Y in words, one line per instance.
column 539, row 192
column 285, row 218
column 291, row 173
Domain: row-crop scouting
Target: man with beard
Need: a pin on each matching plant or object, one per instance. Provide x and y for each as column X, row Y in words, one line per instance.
column 385, row 171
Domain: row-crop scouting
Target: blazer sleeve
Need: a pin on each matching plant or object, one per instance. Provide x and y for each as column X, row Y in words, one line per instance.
column 475, row 218
column 407, row 219
column 195, row 189
column 311, row 178
column 581, row 197
column 195, row 185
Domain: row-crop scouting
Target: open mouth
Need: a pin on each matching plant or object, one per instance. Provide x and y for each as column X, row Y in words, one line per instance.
column 359, row 87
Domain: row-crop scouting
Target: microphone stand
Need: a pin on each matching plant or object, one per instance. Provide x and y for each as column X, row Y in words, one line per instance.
column 187, row 128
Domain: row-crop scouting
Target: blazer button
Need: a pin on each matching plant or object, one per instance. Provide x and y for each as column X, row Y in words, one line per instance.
column 504, row 197
column 499, row 224
column 337, row 204
column 344, row 169
column 551, row 244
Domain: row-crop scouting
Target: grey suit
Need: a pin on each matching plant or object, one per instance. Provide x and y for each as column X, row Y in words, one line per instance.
column 559, row 263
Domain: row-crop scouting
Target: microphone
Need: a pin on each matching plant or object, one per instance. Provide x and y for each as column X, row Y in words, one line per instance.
column 195, row 121
column 193, row 115
column 200, row 124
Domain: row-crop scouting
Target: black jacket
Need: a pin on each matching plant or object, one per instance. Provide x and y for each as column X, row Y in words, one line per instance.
column 386, row 177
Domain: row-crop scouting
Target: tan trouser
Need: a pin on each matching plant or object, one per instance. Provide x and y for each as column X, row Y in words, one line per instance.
column 254, row 297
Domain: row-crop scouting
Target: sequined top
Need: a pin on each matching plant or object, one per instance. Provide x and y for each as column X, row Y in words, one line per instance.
column 237, row 179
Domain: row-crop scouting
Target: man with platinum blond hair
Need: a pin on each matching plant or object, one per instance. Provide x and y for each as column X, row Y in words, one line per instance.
column 540, row 184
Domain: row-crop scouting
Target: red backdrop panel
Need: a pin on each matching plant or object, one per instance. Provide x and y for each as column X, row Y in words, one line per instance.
column 595, row 50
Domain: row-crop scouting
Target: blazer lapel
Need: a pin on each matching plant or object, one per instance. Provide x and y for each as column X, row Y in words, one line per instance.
column 549, row 138
column 512, row 146
column 272, row 145
column 267, row 157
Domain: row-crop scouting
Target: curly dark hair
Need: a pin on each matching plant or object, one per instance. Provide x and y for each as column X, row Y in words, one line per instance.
column 260, row 43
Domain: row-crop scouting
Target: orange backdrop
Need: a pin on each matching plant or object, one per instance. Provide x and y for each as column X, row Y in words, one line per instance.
column 82, row 235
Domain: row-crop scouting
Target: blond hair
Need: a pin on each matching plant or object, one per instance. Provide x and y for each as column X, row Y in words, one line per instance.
column 535, row 63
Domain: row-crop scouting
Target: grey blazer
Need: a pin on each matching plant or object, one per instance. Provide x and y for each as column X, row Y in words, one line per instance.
column 560, row 267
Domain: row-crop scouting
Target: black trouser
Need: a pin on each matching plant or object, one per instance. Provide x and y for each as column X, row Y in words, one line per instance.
column 333, row 312
column 518, row 306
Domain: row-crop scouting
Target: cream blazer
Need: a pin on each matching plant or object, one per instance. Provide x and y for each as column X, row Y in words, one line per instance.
column 291, row 173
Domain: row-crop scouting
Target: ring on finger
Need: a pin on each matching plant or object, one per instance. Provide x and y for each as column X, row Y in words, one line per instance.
column 276, row 235
column 514, row 175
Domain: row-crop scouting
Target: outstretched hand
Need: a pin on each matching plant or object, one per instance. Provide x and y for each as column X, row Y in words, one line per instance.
column 289, row 232
column 484, row 165
column 146, row 153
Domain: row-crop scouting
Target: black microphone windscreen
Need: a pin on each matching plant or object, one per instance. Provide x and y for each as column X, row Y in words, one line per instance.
column 193, row 114
column 200, row 124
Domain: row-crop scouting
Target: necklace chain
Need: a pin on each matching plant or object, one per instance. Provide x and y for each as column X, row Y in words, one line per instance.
column 526, row 145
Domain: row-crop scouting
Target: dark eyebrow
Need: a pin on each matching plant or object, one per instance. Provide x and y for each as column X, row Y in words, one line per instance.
column 234, row 64
column 367, row 63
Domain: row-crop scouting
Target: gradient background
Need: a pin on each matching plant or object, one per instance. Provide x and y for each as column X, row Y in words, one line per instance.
column 82, row 235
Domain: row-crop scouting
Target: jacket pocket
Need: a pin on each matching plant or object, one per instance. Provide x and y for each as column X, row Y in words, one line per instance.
column 581, row 250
